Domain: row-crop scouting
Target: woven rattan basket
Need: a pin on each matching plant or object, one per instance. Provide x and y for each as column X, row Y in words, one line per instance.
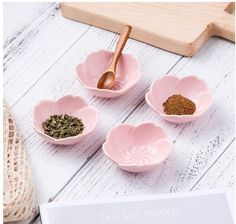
column 18, row 189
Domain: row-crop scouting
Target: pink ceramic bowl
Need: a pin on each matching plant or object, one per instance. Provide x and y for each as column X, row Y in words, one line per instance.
column 191, row 87
column 71, row 105
column 137, row 149
column 127, row 72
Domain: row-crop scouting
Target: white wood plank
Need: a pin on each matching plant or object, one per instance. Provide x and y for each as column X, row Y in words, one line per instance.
column 48, row 160
column 33, row 53
column 18, row 16
column 221, row 174
column 197, row 144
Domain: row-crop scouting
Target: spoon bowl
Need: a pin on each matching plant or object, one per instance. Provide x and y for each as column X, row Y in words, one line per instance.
column 107, row 80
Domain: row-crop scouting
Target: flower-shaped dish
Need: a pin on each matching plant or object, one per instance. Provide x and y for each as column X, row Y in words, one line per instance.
column 191, row 87
column 137, row 149
column 71, row 105
column 127, row 73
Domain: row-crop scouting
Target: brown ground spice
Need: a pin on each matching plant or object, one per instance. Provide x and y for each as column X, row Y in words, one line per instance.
column 179, row 105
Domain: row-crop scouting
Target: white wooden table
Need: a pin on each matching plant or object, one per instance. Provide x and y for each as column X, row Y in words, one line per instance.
column 39, row 63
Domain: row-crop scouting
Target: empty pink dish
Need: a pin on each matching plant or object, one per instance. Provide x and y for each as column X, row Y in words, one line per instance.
column 127, row 73
column 137, row 149
column 191, row 87
column 71, row 105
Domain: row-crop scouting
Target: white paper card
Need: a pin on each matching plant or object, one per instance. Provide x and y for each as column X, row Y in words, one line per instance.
column 186, row 208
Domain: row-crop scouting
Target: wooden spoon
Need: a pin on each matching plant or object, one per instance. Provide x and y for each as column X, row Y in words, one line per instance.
column 107, row 79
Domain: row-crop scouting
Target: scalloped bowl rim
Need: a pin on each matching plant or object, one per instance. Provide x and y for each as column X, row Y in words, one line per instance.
column 138, row 71
column 132, row 164
column 67, row 138
column 175, row 115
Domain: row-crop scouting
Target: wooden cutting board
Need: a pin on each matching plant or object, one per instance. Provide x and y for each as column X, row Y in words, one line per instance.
column 177, row 27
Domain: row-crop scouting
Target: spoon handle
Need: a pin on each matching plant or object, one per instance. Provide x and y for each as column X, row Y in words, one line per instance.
column 120, row 46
